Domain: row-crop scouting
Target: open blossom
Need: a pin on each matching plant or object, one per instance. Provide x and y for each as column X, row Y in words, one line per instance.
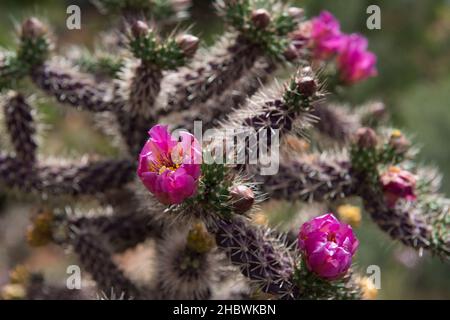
column 325, row 35
column 327, row 246
column 398, row 184
column 170, row 168
column 354, row 61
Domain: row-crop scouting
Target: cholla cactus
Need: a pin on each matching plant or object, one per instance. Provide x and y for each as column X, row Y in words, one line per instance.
column 195, row 215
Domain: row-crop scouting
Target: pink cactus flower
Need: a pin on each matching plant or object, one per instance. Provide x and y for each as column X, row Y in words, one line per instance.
column 355, row 63
column 325, row 35
column 327, row 246
column 169, row 168
column 398, row 184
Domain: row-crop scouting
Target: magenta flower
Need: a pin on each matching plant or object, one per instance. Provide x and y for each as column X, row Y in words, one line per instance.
column 169, row 168
column 398, row 184
column 325, row 35
column 327, row 246
column 355, row 63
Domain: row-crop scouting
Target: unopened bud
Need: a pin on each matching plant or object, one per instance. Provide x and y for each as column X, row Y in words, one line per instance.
column 296, row 13
column 307, row 86
column 33, row 28
column 188, row 44
column 291, row 53
column 242, row 198
column 366, row 138
column 399, row 142
column 261, row 18
column 139, row 28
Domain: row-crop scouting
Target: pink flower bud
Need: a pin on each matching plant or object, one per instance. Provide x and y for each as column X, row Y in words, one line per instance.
column 139, row 28
column 261, row 18
column 327, row 246
column 398, row 184
column 291, row 53
column 307, row 86
column 188, row 44
column 366, row 138
column 242, row 198
column 399, row 142
column 33, row 28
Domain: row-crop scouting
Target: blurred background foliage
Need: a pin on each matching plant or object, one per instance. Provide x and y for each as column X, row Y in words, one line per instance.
column 413, row 49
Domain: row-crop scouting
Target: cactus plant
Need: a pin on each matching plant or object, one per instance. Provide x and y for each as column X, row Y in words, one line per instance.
column 167, row 194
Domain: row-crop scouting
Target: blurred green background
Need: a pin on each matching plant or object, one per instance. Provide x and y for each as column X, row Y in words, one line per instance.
column 413, row 49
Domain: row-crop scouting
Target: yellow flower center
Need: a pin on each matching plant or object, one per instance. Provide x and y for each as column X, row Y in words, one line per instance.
column 171, row 168
column 394, row 169
column 396, row 134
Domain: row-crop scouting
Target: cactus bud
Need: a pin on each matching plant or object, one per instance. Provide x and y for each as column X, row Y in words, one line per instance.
column 139, row 29
column 366, row 138
column 261, row 18
column 307, row 86
column 188, row 44
column 33, row 28
column 399, row 142
column 242, row 198
column 291, row 53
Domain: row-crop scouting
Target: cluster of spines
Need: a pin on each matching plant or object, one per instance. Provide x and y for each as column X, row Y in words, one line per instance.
column 33, row 50
column 266, row 30
column 211, row 113
column 121, row 231
column 294, row 105
column 256, row 36
column 408, row 222
column 20, row 123
column 263, row 259
column 309, row 179
column 211, row 78
column 96, row 259
column 186, row 264
column 75, row 89
column 67, row 179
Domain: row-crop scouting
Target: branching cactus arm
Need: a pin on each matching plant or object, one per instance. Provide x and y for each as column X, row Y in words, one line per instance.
column 165, row 194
